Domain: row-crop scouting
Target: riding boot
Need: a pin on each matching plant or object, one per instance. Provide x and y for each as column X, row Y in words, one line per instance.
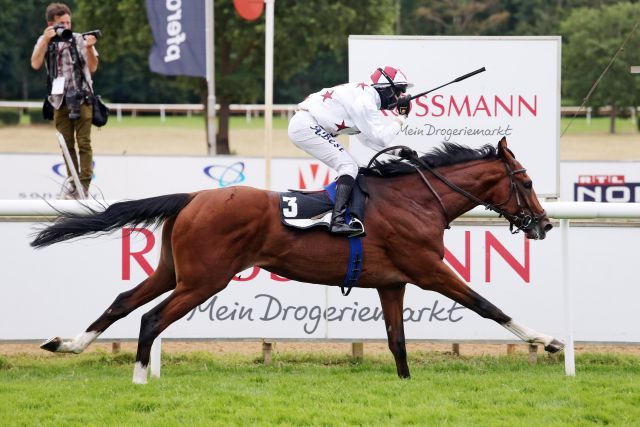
column 343, row 193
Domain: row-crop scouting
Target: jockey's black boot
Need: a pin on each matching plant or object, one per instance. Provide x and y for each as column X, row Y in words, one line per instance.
column 343, row 193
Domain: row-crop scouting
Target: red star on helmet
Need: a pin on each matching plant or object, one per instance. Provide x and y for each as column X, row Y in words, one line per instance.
column 341, row 126
column 327, row 95
column 362, row 85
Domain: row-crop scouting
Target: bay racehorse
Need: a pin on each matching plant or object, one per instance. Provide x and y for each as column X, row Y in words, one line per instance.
column 210, row 236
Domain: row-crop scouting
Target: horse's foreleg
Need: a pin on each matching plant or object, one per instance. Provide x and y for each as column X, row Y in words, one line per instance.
column 444, row 281
column 161, row 281
column 392, row 305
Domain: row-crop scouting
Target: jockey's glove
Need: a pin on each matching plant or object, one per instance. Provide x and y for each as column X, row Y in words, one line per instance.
column 404, row 105
column 405, row 153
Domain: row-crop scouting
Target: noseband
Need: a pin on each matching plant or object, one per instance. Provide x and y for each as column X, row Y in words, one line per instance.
column 521, row 221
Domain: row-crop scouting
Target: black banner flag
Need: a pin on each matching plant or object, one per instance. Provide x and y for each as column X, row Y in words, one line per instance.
column 178, row 28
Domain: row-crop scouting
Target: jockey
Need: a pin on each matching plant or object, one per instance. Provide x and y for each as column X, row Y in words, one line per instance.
column 350, row 109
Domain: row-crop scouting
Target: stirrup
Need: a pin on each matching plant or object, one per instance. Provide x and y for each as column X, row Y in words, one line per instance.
column 353, row 229
column 343, row 229
column 356, row 223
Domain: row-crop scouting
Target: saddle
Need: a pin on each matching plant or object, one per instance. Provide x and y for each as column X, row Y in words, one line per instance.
column 307, row 209
column 304, row 210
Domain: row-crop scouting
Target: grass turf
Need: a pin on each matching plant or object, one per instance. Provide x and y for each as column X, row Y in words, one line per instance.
column 319, row 389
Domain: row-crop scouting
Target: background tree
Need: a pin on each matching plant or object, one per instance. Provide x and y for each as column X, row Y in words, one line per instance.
column 123, row 74
column 305, row 32
column 454, row 17
column 310, row 44
column 592, row 36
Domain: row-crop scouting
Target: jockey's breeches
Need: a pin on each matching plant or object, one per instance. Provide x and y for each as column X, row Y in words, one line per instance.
column 307, row 134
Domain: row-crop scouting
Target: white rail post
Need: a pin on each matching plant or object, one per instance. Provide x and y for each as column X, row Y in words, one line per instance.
column 268, row 90
column 569, row 355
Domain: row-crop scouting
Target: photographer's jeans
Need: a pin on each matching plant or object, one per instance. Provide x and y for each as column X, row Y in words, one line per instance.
column 77, row 131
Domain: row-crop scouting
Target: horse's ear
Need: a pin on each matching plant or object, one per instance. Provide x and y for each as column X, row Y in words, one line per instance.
column 503, row 150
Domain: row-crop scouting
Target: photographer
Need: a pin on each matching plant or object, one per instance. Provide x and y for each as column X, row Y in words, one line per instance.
column 70, row 59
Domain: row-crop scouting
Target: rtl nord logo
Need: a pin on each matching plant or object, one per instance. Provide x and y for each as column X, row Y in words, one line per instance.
column 606, row 188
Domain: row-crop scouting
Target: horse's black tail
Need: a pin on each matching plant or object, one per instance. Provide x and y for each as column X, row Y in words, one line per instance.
column 146, row 212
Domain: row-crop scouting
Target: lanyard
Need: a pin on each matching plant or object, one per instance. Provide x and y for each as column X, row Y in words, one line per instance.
column 59, row 57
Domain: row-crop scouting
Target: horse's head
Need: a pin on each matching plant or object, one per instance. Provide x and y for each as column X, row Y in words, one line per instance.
column 521, row 206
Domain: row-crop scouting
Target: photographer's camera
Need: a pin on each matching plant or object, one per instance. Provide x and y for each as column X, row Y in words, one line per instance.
column 62, row 33
column 73, row 98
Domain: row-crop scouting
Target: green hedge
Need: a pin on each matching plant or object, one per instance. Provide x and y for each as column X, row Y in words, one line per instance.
column 35, row 117
column 9, row 117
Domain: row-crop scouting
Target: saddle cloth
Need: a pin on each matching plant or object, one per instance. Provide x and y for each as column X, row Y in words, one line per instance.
column 303, row 209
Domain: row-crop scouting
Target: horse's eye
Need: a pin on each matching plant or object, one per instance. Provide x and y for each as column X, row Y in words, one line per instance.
column 528, row 185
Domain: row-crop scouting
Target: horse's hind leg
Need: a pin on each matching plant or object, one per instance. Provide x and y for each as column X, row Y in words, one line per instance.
column 443, row 280
column 161, row 281
column 154, row 286
column 392, row 306
column 178, row 304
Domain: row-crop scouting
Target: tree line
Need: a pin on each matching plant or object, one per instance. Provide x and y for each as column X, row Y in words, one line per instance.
column 311, row 46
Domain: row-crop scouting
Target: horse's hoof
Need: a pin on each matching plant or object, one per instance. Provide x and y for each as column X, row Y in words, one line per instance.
column 554, row 346
column 52, row 344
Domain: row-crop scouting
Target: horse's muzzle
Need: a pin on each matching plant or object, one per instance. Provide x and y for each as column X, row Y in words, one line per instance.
column 540, row 229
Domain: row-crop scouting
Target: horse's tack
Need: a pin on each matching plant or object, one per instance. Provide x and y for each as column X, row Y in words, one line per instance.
column 526, row 222
column 307, row 210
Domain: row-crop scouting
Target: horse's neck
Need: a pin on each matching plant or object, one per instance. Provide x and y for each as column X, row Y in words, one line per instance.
column 478, row 178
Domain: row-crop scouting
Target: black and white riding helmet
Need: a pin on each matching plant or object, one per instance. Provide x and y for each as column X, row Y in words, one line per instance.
column 390, row 82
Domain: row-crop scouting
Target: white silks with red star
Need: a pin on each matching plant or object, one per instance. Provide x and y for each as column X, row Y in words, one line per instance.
column 352, row 109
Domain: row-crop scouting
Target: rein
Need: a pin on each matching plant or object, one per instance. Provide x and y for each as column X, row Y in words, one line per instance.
column 520, row 221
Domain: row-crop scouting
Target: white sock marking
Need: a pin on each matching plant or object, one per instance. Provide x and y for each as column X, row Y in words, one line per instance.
column 139, row 373
column 527, row 334
column 79, row 343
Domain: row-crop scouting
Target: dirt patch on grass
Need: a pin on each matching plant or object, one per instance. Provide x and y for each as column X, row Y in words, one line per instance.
column 152, row 140
column 600, row 147
column 254, row 348
column 168, row 140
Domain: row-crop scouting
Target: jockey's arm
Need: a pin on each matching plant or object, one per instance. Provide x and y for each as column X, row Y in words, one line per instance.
column 375, row 134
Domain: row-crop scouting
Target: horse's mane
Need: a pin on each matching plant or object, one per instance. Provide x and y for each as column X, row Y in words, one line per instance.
column 446, row 155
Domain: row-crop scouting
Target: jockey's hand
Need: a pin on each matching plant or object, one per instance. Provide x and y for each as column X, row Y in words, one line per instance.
column 404, row 105
column 405, row 153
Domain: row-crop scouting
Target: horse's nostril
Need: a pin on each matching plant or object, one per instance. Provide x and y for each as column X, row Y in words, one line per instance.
column 548, row 227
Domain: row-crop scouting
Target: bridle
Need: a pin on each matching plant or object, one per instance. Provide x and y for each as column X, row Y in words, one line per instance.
column 521, row 221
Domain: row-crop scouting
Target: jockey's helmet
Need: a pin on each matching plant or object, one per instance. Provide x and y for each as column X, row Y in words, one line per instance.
column 390, row 82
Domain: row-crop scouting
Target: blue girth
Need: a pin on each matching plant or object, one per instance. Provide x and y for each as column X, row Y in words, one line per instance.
column 355, row 250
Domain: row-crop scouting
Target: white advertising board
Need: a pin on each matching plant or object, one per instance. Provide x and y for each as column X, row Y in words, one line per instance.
column 518, row 96
column 34, row 176
column 61, row 289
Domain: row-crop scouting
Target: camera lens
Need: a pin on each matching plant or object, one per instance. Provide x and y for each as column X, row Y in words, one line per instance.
column 63, row 33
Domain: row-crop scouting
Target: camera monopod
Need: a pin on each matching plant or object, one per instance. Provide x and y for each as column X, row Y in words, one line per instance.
column 459, row 79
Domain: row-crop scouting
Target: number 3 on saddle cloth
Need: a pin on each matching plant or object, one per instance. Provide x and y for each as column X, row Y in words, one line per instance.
column 308, row 209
